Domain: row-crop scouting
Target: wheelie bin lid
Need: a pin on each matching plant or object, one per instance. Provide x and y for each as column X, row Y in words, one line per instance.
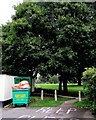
column 19, row 79
column 20, row 89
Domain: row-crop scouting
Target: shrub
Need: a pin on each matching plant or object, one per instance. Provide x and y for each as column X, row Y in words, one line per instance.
column 89, row 78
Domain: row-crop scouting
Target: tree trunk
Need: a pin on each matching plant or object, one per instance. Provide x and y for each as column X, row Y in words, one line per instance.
column 32, row 80
column 60, row 84
column 65, row 90
column 79, row 75
column 79, row 81
column 63, row 79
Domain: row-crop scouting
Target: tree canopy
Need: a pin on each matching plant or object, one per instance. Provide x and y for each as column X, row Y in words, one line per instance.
column 50, row 38
column 89, row 78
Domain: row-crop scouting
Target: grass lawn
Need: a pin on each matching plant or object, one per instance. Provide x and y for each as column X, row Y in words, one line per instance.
column 71, row 87
column 47, row 86
column 35, row 101
column 83, row 103
column 75, row 88
column 47, row 102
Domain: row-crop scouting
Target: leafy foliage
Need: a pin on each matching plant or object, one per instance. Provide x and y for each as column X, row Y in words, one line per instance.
column 50, row 38
column 89, row 77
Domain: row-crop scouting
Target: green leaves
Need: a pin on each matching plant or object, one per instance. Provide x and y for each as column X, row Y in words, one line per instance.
column 49, row 38
column 89, row 77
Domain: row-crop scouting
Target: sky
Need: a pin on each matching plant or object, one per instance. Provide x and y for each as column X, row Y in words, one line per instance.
column 7, row 10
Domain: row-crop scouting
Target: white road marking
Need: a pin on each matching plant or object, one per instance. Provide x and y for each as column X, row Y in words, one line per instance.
column 45, row 110
column 58, row 110
column 23, row 116
column 70, row 110
column 46, row 117
column 33, row 116
column 48, row 110
column 40, row 109
column 51, row 117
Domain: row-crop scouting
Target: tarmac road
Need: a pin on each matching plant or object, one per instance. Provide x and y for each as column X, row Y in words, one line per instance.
column 57, row 113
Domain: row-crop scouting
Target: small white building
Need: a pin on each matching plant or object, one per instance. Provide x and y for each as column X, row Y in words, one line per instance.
column 6, row 82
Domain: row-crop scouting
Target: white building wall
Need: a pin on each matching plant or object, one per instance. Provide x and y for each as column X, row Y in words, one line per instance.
column 6, row 82
column 2, row 87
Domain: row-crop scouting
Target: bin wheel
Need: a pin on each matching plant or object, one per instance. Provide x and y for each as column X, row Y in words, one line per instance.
column 26, row 105
column 14, row 105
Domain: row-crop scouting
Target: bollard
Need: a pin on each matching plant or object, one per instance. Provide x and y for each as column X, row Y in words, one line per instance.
column 79, row 96
column 55, row 95
column 41, row 94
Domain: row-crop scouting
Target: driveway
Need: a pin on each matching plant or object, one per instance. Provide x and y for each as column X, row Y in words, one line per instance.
column 63, row 111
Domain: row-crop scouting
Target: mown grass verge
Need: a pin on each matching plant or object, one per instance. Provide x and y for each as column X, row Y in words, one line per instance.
column 82, row 104
column 47, row 102
column 35, row 101
column 71, row 87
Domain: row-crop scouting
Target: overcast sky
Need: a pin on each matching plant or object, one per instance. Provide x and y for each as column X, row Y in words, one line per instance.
column 6, row 10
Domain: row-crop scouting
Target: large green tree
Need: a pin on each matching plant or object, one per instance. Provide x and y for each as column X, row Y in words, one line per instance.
column 49, row 38
column 72, row 23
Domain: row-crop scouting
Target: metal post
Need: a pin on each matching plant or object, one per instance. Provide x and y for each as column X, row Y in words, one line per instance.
column 55, row 95
column 41, row 94
column 79, row 96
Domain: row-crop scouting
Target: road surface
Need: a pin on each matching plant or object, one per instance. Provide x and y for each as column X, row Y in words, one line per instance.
column 64, row 111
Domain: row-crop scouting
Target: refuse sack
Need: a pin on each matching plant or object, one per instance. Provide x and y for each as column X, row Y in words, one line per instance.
column 22, row 85
column 16, row 86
